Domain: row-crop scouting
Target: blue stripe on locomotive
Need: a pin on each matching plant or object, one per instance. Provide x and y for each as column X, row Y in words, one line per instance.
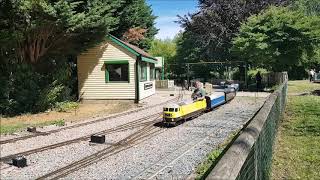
column 217, row 101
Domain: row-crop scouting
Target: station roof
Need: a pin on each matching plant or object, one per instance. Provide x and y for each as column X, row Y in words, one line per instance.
column 133, row 49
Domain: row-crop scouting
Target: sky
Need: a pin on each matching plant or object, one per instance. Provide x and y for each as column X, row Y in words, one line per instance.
column 167, row 11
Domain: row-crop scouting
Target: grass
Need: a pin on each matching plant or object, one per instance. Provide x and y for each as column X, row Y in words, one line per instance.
column 63, row 112
column 297, row 150
column 211, row 158
column 302, row 86
column 205, row 166
column 11, row 128
column 66, row 106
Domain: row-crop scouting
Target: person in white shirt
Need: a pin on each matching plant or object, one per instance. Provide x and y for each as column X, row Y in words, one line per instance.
column 311, row 74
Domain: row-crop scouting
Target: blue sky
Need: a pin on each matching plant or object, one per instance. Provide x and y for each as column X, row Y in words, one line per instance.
column 167, row 11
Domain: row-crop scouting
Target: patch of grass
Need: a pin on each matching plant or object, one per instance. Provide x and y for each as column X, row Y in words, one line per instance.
column 12, row 128
column 297, row 158
column 9, row 129
column 59, row 122
column 66, row 106
column 204, row 166
column 297, row 150
column 302, row 86
column 202, row 169
column 302, row 116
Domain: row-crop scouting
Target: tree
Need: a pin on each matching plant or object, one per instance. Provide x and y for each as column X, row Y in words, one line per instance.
column 216, row 23
column 40, row 39
column 308, row 7
column 278, row 39
column 164, row 48
column 209, row 32
column 136, row 14
column 134, row 35
column 38, row 28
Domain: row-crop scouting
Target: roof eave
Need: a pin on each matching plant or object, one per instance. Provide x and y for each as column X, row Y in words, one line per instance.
column 147, row 59
column 123, row 45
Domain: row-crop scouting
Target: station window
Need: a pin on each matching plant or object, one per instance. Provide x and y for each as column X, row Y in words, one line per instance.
column 152, row 72
column 143, row 71
column 117, row 71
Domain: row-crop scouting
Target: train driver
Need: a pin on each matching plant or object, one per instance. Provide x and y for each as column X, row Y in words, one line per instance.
column 199, row 92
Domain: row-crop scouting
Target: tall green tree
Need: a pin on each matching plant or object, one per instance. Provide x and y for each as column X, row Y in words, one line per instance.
column 38, row 38
column 39, row 28
column 165, row 48
column 217, row 22
column 308, row 7
column 279, row 39
column 137, row 14
column 209, row 32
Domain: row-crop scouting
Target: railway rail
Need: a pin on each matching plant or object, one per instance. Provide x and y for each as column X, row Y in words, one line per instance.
column 12, row 140
column 130, row 125
column 161, row 166
column 149, row 129
column 123, row 127
column 131, row 140
column 153, row 171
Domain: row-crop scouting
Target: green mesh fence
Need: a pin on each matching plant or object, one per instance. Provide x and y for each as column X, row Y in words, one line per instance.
column 258, row 162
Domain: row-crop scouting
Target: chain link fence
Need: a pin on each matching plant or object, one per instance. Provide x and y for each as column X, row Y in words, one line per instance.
column 250, row 155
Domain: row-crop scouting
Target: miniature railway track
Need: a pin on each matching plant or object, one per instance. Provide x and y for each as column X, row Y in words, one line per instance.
column 85, row 123
column 160, row 166
column 130, row 125
column 123, row 127
column 155, row 169
column 120, row 146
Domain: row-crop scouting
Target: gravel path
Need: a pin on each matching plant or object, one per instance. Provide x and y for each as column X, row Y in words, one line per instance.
column 153, row 100
column 173, row 153
column 64, row 135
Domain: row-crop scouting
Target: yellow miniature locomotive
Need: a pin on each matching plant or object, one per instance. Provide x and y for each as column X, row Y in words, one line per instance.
column 173, row 113
column 183, row 110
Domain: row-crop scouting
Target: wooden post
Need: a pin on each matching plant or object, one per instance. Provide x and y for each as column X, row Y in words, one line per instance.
column 188, row 77
column 246, row 75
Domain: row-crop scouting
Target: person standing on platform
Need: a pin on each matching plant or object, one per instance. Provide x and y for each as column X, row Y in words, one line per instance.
column 258, row 80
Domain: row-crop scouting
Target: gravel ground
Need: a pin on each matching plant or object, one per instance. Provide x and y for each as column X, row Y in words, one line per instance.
column 41, row 141
column 158, row 98
column 173, row 153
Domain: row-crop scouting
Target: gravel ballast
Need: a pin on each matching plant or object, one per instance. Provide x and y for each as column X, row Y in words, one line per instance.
column 73, row 133
column 172, row 153
column 154, row 100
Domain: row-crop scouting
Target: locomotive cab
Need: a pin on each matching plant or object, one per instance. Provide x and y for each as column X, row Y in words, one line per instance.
column 171, row 113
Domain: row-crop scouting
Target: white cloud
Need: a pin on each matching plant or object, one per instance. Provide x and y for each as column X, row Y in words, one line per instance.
column 167, row 27
column 168, row 31
column 166, row 19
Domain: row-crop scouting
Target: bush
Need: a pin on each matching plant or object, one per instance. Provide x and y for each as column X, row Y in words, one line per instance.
column 21, row 90
column 66, row 106
column 297, row 73
column 28, row 88
column 59, row 122
column 4, row 88
column 49, row 97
